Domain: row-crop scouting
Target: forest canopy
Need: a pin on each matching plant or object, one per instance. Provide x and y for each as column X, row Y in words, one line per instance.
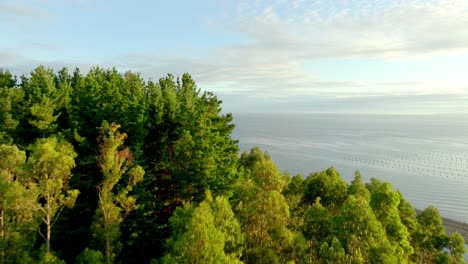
column 106, row 167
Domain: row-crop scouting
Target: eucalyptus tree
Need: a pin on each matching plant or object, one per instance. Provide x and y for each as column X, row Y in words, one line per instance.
column 384, row 203
column 457, row 248
column 207, row 233
column 115, row 203
column 317, row 229
column 329, row 186
column 49, row 168
column 263, row 211
column 431, row 238
column 361, row 234
column 17, row 208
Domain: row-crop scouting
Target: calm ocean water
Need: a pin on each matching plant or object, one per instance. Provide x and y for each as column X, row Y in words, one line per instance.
column 425, row 157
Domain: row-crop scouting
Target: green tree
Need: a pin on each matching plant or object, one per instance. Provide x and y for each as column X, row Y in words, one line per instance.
column 17, row 204
column 263, row 211
column 188, row 149
column 115, row 161
column 63, row 101
column 384, row 203
column 329, row 186
column 199, row 153
column 208, row 233
column 227, row 223
column 105, row 94
column 42, row 101
column 101, row 95
column 89, row 256
column 361, row 233
column 431, row 239
column 294, row 192
column 358, row 188
column 457, row 249
column 7, row 79
column 333, row 253
column 9, row 104
column 317, row 227
column 49, row 168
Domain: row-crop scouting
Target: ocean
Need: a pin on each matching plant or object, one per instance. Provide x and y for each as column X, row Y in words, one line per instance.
column 424, row 156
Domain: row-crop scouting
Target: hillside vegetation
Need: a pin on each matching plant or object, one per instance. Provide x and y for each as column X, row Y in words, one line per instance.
column 110, row 168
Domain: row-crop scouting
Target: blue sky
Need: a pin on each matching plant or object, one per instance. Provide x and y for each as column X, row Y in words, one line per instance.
column 404, row 57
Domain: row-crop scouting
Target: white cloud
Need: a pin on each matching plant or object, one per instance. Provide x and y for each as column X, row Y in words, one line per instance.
column 281, row 36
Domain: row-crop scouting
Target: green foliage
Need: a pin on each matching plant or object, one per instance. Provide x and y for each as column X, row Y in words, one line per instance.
column 333, row 253
column 317, row 222
column 42, row 100
column 262, row 210
column 6, row 79
column 384, row 203
column 262, row 171
column 181, row 141
column 203, row 235
column 10, row 99
column 50, row 258
column 89, row 256
column 17, row 208
column 196, row 151
column 107, row 95
column 49, row 169
column 359, row 229
column 328, row 185
column 294, row 194
column 358, row 188
column 226, row 222
column 374, row 223
column 431, row 238
column 187, row 150
column 457, row 248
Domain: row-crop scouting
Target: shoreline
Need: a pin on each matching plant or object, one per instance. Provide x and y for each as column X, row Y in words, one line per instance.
column 452, row 226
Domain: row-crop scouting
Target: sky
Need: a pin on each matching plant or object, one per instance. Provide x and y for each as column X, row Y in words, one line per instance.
column 330, row 56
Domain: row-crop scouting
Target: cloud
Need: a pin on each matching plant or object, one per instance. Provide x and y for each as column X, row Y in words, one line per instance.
column 384, row 29
column 21, row 11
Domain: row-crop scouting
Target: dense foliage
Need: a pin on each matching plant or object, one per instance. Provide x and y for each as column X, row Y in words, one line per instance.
column 106, row 168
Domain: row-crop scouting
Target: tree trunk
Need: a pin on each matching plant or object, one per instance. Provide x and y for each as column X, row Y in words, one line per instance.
column 48, row 235
column 108, row 250
column 2, row 234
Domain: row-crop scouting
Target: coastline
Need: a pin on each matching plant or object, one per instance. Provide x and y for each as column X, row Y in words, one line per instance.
column 452, row 226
